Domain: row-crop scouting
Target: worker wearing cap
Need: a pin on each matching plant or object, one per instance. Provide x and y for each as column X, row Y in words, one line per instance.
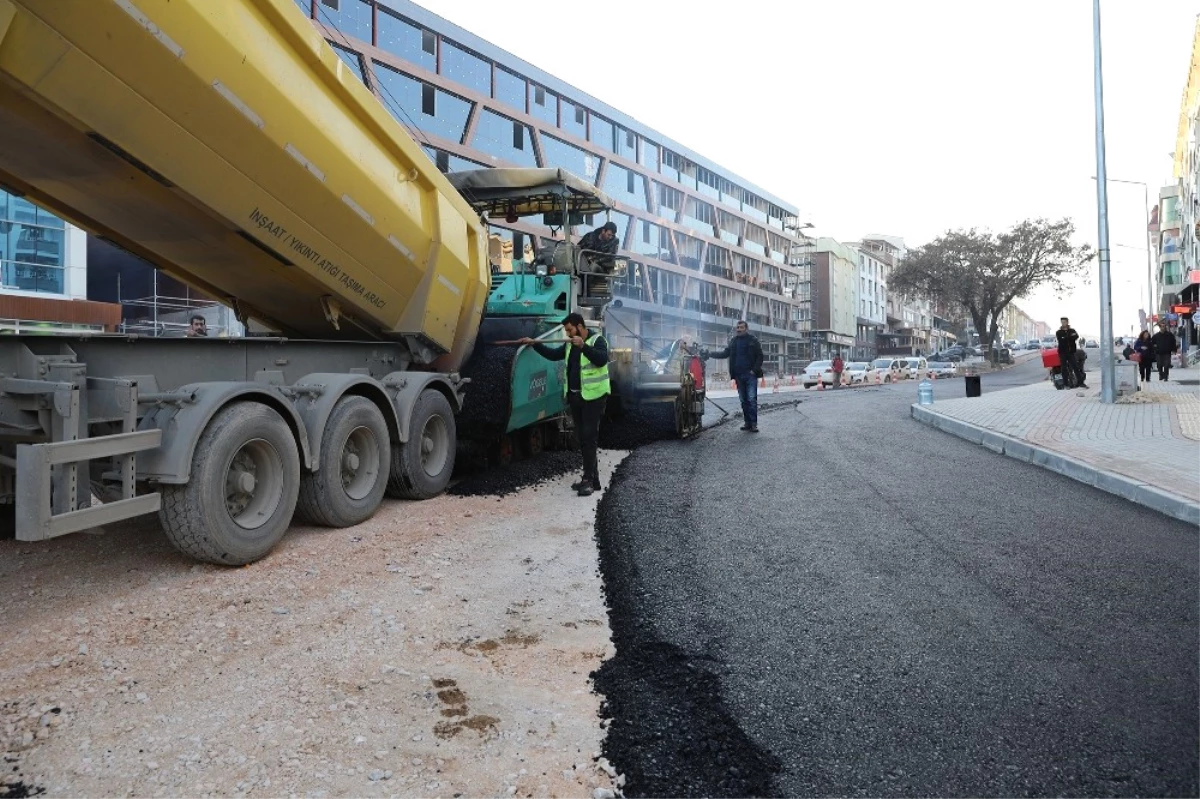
column 600, row 245
column 587, row 389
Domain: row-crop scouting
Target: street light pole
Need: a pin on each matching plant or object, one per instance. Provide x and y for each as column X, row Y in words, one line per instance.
column 1108, row 384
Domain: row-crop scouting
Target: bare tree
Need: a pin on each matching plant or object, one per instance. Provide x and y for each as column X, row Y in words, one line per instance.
column 981, row 273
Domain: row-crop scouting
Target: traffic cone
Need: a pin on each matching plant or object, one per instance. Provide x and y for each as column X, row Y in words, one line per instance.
column 820, row 384
column 878, row 380
column 733, row 384
column 792, row 382
column 762, row 382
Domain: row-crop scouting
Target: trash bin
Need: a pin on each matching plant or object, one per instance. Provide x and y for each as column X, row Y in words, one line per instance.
column 974, row 389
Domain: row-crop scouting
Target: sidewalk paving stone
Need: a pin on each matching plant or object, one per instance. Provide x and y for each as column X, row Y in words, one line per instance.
column 1145, row 448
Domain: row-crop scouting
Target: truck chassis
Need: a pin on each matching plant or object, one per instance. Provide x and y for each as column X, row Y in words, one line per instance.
column 96, row 429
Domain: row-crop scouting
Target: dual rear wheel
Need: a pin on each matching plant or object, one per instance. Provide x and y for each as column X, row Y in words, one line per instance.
column 246, row 482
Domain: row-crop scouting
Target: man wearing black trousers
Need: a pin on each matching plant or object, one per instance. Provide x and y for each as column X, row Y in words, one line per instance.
column 587, row 391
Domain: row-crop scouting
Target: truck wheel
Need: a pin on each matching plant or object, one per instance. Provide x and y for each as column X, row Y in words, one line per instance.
column 354, row 463
column 421, row 468
column 242, row 493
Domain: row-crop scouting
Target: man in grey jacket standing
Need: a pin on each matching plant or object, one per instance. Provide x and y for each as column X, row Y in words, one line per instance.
column 745, row 367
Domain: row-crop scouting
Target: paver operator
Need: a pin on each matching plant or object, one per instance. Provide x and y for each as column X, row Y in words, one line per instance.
column 745, row 367
column 600, row 245
column 587, row 390
column 1067, row 351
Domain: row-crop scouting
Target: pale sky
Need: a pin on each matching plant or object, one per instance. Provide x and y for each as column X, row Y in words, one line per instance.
column 902, row 117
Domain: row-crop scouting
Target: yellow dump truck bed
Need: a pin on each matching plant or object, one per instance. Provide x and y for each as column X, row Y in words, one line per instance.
column 225, row 142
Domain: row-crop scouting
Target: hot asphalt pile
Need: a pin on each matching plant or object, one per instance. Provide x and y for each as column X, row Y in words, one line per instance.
column 671, row 732
column 489, row 394
column 500, row 481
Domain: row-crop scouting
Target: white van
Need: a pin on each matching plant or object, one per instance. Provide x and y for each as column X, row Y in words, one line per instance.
column 914, row 367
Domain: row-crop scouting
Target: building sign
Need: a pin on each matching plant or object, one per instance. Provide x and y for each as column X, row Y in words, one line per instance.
column 1185, row 309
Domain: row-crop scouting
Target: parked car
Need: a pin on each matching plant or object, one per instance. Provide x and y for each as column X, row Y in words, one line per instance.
column 856, row 371
column 1013, row 344
column 1033, row 345
column 942, row 369
column 887, row 369
column 818, row 372
column 914, row 367
column 954, row 353
column 1050, row 342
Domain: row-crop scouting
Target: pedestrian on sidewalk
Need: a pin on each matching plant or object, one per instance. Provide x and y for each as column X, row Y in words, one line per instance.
column 838, row 366
column 1165, row 345
column 587, row 390
column 1143, row 351
column 745, row 367
column 1067, row 347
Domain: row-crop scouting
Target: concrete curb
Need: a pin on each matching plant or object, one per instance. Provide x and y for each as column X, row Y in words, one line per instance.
column 1125, row 487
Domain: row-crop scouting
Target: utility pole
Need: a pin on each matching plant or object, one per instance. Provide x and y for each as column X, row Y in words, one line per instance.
column 1108, row 383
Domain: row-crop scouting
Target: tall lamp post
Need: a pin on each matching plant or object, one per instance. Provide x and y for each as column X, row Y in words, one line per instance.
column 1108, row 384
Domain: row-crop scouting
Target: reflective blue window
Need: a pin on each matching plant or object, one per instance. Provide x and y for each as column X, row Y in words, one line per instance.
column 32, row 244
column 351, row 17
column 351, row 58
column 510, row 89
column 652, row 240
column 466, row 68
column 625, row 186
column 407, row 41
column 648, row 157
column 626, row 143
column 421, row 105
column 305, row 6
column 504, row 138
column 543, row 104
column 557, row 153
column 601, row 133
column 669, row 201
column 574, row 119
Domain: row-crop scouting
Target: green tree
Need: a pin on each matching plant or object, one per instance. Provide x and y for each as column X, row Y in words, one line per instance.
column 981, row 273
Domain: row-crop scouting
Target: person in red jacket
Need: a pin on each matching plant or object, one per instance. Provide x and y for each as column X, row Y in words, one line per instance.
column 838, row 366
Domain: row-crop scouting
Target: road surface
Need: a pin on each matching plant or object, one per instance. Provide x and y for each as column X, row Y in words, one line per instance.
column 850, row 603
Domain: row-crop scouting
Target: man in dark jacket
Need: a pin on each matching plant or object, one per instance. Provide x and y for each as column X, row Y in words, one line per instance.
column 1165, row 345
column 600, row 245
column 587, row 390
column 745, row 367
column 1067, row 347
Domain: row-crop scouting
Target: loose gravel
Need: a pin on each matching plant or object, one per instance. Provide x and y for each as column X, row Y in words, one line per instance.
column 441, row 648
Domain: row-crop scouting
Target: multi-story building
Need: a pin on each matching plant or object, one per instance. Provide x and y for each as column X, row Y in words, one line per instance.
column 1187, row 175
column 872, row 301
column 1166, row 243
column 704, row 246
column 834, row 288
column 43, row 274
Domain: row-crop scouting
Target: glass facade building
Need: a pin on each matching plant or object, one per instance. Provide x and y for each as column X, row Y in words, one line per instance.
column 32, row 247
column 704, row 246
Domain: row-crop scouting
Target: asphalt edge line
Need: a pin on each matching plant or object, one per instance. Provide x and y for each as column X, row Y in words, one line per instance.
column 1127, row 488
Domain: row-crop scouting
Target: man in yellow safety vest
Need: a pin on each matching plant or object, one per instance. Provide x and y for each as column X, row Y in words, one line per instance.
column 587, row 389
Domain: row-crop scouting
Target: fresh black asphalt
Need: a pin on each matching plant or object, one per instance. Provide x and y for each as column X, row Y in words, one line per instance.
column 850, row 603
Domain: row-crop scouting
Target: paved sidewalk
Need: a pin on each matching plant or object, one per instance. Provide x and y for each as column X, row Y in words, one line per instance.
column 1145, row 448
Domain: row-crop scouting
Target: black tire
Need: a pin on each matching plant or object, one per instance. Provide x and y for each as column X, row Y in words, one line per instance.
column 242, row 493
column 422, row 466
column 355, row 459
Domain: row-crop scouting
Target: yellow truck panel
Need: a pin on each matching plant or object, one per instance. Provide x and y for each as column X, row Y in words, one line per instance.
column 225, row 142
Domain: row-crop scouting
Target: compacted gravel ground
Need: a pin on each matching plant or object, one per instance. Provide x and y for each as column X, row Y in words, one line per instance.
column 442, row 648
